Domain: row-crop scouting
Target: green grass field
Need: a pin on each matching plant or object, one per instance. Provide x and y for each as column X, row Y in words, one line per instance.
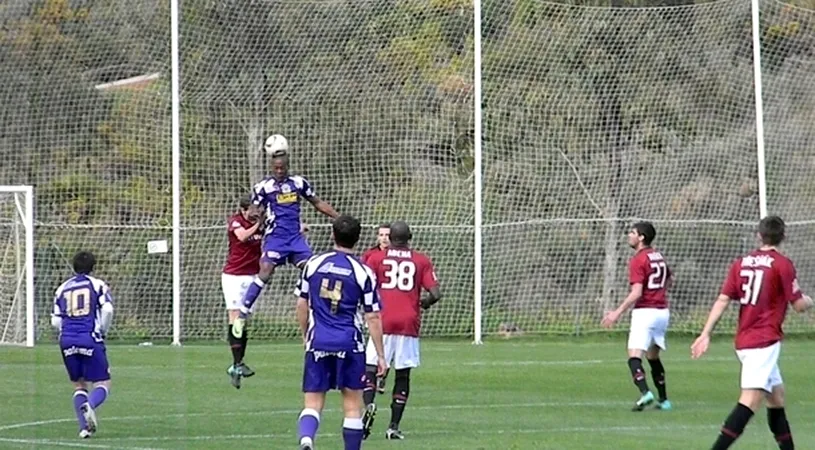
column 527, row 394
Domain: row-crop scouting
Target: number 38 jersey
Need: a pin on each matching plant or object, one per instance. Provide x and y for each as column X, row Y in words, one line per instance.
column 648, row 267
column 401, row 274
column 764, row 282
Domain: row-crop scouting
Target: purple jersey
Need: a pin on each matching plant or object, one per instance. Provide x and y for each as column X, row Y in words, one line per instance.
column 282, row 203
column 78, row 307
column 78, row 302
column 336, row 285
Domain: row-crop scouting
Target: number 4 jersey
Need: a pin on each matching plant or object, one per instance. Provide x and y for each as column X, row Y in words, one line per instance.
column 648, row 267
column 401, row 274
column 764, row 282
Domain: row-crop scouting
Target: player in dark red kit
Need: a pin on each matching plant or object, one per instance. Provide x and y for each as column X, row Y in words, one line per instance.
column 764, row 282
column 649, row 277
column 401, row 274
column 244, row 234
column 382, row 242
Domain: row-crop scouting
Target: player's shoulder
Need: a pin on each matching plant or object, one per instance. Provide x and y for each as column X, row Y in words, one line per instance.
column 420, row 257
column 299, row 181
column 235, row 220
column 99, row 284
column 264, row 184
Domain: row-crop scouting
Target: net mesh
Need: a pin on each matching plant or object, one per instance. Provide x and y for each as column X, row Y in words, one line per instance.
column 594, row 116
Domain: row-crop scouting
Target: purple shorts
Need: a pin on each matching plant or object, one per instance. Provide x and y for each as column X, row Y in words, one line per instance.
column 85, row 360
column 279, row 251
column 325, row 371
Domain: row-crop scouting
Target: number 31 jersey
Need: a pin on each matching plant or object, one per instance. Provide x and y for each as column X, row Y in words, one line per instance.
column 648, row 267
column 764, row 282
column 401, row 274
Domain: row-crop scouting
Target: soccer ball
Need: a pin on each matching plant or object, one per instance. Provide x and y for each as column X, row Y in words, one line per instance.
column 276, row 143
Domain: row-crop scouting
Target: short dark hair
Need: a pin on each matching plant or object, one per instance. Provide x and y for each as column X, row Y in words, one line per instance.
column 346, row 231
column 245, row 203
column 384, row 225
column 646, row 230
column 772, row 230
column 84, row 262
column 400, row 232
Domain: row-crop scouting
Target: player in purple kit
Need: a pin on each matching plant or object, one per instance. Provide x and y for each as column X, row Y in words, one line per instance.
column 283, row 241
column 83, row 313
column 332, row 289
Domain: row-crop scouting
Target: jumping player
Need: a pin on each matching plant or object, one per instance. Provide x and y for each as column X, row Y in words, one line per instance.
column 244, row 234
column 401, row 273
column 332, row 289
column 764, row 282
column 83, row 314
column 650, row 278
column 280, row 195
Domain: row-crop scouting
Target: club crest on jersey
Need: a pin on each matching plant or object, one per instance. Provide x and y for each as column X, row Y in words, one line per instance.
column 283, row 199
column 285, row 188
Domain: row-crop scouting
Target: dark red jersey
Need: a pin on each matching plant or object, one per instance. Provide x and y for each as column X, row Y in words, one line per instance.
column 243, row 257
column 764, row 282
column 370, row 252
column 401, row 274
column 648, row 267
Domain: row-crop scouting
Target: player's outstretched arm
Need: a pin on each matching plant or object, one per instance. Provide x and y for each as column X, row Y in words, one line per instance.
column 323, row 206
column 700, row 345
column 630, row 300
column 374, row 322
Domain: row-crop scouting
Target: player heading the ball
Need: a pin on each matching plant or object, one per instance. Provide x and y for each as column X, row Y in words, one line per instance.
column 402, row 273
column 650, row 278
column 280, row 195
column 764, row 282
column 244, row 233
column 332, row 289
column 83, row 314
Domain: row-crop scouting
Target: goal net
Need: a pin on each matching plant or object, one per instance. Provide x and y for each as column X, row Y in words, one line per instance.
column 16, row 265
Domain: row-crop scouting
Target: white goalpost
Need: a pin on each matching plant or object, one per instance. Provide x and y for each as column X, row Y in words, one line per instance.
column 17, row 265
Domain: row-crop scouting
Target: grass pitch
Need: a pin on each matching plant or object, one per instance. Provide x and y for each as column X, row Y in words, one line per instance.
column 528, row 394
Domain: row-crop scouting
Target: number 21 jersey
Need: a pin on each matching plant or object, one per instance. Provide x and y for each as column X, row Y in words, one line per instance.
column 401, row 273
column 764, row 282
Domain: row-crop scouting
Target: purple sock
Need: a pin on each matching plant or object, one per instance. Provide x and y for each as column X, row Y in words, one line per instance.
column 308, row 424
column 251, row 295
column 98, row 396
column 80, row 398
column 352, row 433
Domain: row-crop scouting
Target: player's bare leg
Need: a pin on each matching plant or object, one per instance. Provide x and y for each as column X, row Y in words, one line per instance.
column 658, row 376
column 638, row 374
column 777, row 418
column 401, row 391
column 368, row 396
column 352, row 429
column 749, row 402
column 80, row 400
column 309, row 421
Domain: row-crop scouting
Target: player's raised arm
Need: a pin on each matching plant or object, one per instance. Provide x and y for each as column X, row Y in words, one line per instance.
column 307, row 191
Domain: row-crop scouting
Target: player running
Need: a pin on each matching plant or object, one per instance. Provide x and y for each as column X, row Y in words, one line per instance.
column 332, row 289
column 382, row 243
column 280, row 195
column 650, row 277
column 83, row 314
column 244, row 234
column 401, row 273
column 764, row 282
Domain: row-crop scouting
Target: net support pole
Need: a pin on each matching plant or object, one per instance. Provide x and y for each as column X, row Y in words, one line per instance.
column 477, row 175
column 28, row 220
column 176, row 168
column 762, row 167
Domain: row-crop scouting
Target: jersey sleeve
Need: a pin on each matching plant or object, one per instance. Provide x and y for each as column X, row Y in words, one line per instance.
column 306, row 189
column 429, row 279
column 301, row 287
column 370, row 297
column 789, row 283
column 57, row 308
column 732, row 283
column 259, row 196
column 234, row 224
column 637, row 272
column 104, row 294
